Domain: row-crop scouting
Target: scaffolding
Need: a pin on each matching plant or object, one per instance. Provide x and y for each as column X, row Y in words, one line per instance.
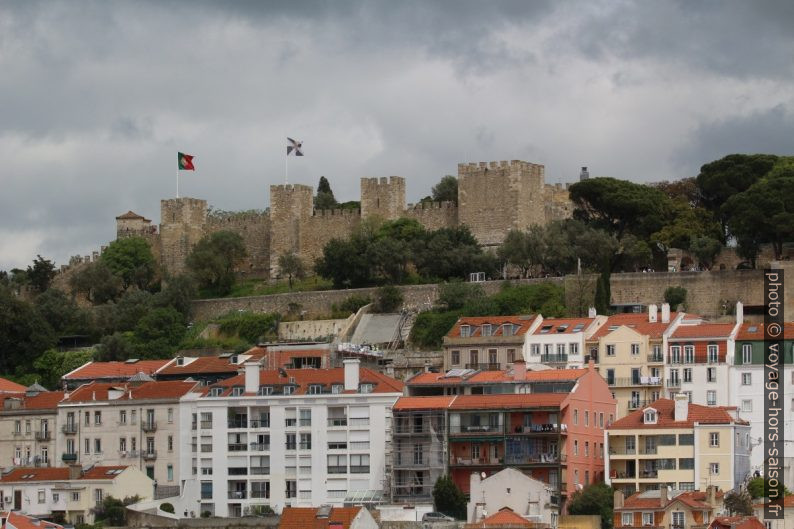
column 418, row 453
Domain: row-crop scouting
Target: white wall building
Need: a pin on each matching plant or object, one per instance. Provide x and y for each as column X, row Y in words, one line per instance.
column 560, row 342
column 530, row 498
column 302, row 437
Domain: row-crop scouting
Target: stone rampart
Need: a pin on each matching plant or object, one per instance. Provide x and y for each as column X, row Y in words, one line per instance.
column 433, row 215
column 254, row 228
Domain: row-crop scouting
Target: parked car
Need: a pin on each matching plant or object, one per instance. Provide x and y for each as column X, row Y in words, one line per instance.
column 437, row 517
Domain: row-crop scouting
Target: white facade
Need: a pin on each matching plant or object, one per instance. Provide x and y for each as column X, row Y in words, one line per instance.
column 528, row 497
column 564, row 348
column 279, row 450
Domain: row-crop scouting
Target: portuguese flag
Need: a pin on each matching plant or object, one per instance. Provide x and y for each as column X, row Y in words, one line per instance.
column 186, row 162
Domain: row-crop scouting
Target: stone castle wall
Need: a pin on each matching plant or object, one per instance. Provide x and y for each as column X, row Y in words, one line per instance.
column 182, row 222
column 254, row 228
column 433, row 215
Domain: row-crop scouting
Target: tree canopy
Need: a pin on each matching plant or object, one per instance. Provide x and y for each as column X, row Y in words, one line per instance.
column 131, row 260
column 446, row 190
column 596, row 498
column 213, row 259
column 448, row 498
column 324, row 199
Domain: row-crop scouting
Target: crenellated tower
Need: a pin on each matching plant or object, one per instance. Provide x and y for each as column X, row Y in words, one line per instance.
column 182, row 223
column 383, row 197
column 291, row 207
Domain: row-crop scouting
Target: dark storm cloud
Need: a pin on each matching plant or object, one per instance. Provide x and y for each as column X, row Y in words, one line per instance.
column 95, row 98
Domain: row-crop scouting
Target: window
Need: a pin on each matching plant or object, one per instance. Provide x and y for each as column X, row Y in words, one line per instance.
column 675, row 354
column 265, row 390
column 611, row 378
column 649, row 417
column 576, row 447
column 56, row 497
column 75, row 496
column 747, row 406
column 487, row 330
column 678, row 519
column 169, row 471
column 97, row 446
column 337, row 464
column 493, row 357
column 711, row 374
column 337, row 388
column 714, row 469
column 747, row 353
column 291, row 441
column 610, row 349
column 315, row 389
column 560, row 349
column 455, row 358
column 686, row 463
column 45, row 454
column 122, row 416
column 687, row 374
column 601, row 419
column 237, row 391
column 465, row 331
column 586, row 418
column 42, row 496
column 534, row 349
column 98, row 496
column 635, row 349
column 170, row 443
column 97, row 418
column 291, row 488
column 575, row 417
column 133, row 417
column 289, row 390
column 88, row 418
column 689, row 354
column 473, row 357
column 507, row 329
column 359, row 463
column 747, row 379
column 647, row 518
column 306, row 441
column 17, row 426
column 586, row 450
column 206, row 490
column 712, row 354
column 122, row 444
column 366, row 388
column 216, row 392
column 628, row 519
column 711, row 398
column 87, row 446
column 573, row 348
column 170, row 415
column 511, row 356
column 714, row 439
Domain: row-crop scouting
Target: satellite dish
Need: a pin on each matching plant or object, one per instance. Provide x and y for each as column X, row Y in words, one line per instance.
column 483, row 475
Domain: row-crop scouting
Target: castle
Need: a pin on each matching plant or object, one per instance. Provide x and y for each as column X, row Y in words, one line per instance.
column 493, row 197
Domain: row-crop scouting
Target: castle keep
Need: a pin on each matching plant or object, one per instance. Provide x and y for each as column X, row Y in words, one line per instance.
column 493, row 197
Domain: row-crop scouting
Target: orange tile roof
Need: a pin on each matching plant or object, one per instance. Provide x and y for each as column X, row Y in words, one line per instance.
column 758, row 334
column 98, row 391
column 508, row 401
column 304, row 377
column 552, row 325
column 47, row 400
column 665, row 409
column 504, row 517
column 211, row 364
column 704, row 330
column 100, row 370
column 306, row 518
column 20, row 521
column 129, row 215
column 637, row 321
column 7, row 386
column 485, row 377
column 423, row 403
column 736, row 522
column 695, row 499
column 523, row 323
column 57, row 474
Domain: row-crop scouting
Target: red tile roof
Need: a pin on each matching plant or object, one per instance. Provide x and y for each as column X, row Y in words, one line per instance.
column 485, row 377
column 665, row 409
column 100, row 370
column 47, row 400
column 508, row 401
column 7, row 386
column 651, row 500
column 98, row 391
column 58, row 474
column 758, row 334
column 20, row 521
column 423, row 403
column 637, row 321
column 212, row 364
column 736, row 522
column 129, row 216
column 523, row 323
column 704, row 331
column 552, row 325
column 306, row 518
column 304, row 377
column 504, row 517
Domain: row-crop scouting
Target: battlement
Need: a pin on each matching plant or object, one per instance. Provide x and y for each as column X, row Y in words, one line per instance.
column 238, row 218
column 383, row 181
column 432, row 205
column 291, row 188
column 337, row 212
column 477, row 168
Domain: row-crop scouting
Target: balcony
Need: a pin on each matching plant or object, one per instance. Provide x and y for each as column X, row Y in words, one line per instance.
column 259, row 423
column 237, row 447
column 475, row 462
column 364, row 469
column 485, row 367
column 673, row 382
column 260, row 494
column 43, row 436
column 260, row 471
column 655, row 358
column 149, row 426
column 69, row 458
column 69, row 429
column 648, row 474
column 236, row 424
column 259, row 447
column 539, row 429
column 206, row 425
column 535, row 459
column 627, row 382
column 554, row 358
column 238, row 494
column 478, row 429
column 149, row 455
column 337, row 421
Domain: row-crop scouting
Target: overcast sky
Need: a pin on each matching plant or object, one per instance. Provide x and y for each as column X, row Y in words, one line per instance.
column 96, row 98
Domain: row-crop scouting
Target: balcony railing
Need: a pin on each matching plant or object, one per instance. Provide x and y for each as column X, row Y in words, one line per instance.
column 359, row 421
column 553, row 358
column 206, row 425
column 673, row 382
column 337, row 469
column 149, row 454
column 260, row 494
column 149, row 426
column 538, row 428
column 238, row 494
column 364, row 469
column 485, row 367
column 260, row 471
column 471, row 429
column 645, row 474
column 337, row 421
column 473, row 462
column 43, row 436
column 236, row 424
column 259, row 423
column 624, row 382
column 69, row 429
column 69, row 458
column 535, row 459
column 656, row 358
column 260, row 447
column 237, row 447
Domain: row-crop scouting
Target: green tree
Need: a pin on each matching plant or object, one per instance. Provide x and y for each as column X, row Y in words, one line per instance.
column 214, row 258
column 115, row 347
column 351, row 304
column 388, row 298
column 523, row 249
column 325, row 197
column 603, row 295
column 739, row 501
column 430, row 327
column 345, row 263
column 97, row 282
column 113, row 511
column 63, row 314
column 705, row 249
column 446, row 190
column 167, row 507
column 24, row 334
column 131, row 260
column 760, row 488
column 130, row 308
column 159, row 332
column 178, row 292
column 290, row 264
column 251, row 327
column 52, row 364
column 449, row 499
column 456, row 294
column 675, row 296
column 685, row 190
column 41, row 273
column 449, row 253
column 594, row 499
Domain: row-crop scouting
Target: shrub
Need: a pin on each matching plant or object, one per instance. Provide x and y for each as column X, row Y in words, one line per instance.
column 249, row 326
column 675, row 296
column 388, row 298
column 167, row 507
column 353, row 303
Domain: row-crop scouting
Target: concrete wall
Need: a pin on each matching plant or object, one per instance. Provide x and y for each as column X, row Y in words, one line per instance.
column 311, row 329
column 154, row 521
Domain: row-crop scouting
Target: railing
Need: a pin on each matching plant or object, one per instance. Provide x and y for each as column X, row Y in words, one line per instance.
column 43, row 436
column 234, row 424
column 553, row 358
column 68, row 457
column 337, row 421
column 69, row 428
column 485, row 367
column 260, row 471
column 359, row 421
column 149, row 454
column 623, row 475
column 149, row 426
column 364, row 469
column 465, row 429
column 237, row 447
column 337, row 470
column 622, row 382
column 238, row 471
column 260, row 447
column 206, row 425
column 259, row 423
column 411, row 429
column 260, row 494
column 237, row 494
column 472, row 462
column 305, row 446
column 536, row 428
column 656, row 358
column 206, row 495
column 649, row 474
column 673, row 382
column 535, row 459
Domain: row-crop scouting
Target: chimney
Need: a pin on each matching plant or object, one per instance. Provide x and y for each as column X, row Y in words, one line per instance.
column 663, row 496
column 519, row 369
column 711, row 495
column 652, row 309
column 739, row 312
column 251, row 377
column 591, row 312
column 75, row 471
column 427, row 366
column 665, row 313
column 474, row 484
column 351, row 373
column 681, row 407
column 618, row 500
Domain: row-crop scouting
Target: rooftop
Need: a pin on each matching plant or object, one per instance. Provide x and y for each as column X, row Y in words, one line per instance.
column 131, row 215
column 521, row 324
column 6, row 386
column 736, row 522
column 504, row 517
column 704, row 330
column 665, row 409
column 211, row 364
column 505, row 401
column 563, row 325
column 637, row 321
column 20, row 521
column 100, row 370
column 468, row 376
column 23, row 474
column 104, row 391
column 651, row 499
column 755, row 331
column 307, row 517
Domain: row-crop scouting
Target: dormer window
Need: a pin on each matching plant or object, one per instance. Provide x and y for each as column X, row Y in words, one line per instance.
column 233, row 359
column 315, row 389
column 508, row 329
column 649, row 416
column 289, row 390
column 265, row 390
column 546, row 329
column 216, row 392
column 487, row 329
column 366, row 388
column 465, row 331
column 337, row 388
column 237, row 391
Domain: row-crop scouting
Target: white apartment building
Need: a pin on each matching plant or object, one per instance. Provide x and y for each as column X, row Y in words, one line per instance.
column 130, row 424
column 560, row 342
column 287, row 437
column 27, row 427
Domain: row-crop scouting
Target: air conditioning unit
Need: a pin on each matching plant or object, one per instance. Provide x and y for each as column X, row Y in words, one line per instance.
column 7, row 499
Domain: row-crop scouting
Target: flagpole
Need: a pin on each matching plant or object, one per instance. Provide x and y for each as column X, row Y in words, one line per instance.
column 286, row 169
column 177, row 181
